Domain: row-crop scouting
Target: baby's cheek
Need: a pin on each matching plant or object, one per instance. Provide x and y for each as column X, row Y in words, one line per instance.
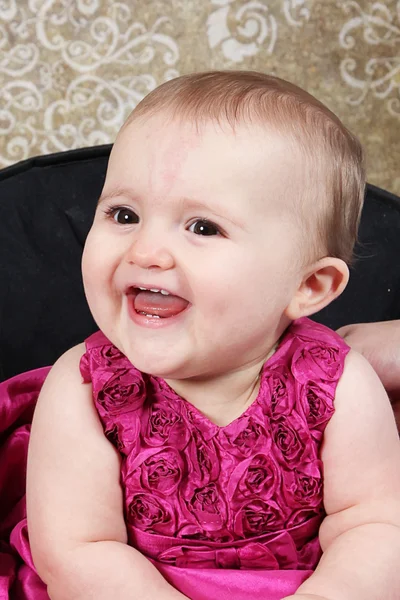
column 94, row 255
column 92, row 272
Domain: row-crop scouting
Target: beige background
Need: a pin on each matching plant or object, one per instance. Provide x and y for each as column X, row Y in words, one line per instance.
column 71, row 70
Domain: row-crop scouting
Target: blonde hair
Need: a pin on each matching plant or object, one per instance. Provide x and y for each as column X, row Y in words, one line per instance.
column 334, row 156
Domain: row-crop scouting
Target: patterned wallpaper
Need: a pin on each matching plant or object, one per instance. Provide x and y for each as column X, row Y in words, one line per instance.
column 71, row 70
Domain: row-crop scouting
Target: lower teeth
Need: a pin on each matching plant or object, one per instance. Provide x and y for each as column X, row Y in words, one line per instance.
column 147, row 315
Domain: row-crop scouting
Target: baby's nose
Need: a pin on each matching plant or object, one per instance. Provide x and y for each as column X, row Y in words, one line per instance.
column 146, row 255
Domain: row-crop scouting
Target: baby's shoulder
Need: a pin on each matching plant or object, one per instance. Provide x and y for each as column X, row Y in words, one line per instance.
column 67, row 366
column 63, row 394
column 64, row 381
column 72, row 356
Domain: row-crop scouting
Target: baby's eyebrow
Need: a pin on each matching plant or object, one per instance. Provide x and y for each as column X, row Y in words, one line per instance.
column 219, row 211
column 114, row 193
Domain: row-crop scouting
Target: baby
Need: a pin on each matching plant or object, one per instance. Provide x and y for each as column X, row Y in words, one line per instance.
column 211, row 441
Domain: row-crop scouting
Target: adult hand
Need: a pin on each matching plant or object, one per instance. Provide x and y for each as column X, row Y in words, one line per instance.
column 380, row 344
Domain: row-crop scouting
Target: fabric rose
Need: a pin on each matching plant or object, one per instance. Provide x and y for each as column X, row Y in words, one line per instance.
column 290, row 439
column 163, row 471
column 152, row 514
column 203, row 461
column 245, row 436
column 193, row 531
column 124, row 392
column 111, row 356
column 160, row 386
column 257, row 476
column 302, row 489
column 318, row 406
column 310, row 519
column 257, row 517
column 282, row 395
column 163, row 425
column 113, row 435
column 208, row 508
column 124, row 434
column 315, row 361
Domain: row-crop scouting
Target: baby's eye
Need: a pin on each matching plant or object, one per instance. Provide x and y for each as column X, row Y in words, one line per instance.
column 123, row 216
column 204, row 227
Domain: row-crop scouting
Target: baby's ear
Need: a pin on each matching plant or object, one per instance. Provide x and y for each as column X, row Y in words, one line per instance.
column 321, row 284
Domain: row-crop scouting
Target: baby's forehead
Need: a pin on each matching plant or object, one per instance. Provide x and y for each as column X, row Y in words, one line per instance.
column 258, row 149
column 252, row 162
column 261, row 141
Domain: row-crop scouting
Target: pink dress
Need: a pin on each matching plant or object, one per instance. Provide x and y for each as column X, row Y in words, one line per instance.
column 223, row 512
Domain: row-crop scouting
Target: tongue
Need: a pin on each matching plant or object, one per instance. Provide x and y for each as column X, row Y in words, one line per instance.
column 155, row 303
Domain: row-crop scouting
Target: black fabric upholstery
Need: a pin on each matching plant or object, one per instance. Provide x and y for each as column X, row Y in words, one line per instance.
column 46, row 208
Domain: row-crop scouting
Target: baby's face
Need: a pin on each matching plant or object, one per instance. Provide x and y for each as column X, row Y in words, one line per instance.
column 207, row 216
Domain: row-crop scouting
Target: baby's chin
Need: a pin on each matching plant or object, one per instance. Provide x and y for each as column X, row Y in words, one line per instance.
column 169, row 358
column 163, row 365
column 168, row 366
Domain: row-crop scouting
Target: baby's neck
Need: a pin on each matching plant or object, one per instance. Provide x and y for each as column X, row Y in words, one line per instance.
column 225, row 397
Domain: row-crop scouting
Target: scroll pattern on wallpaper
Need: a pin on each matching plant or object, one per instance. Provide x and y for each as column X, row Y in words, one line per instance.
column 72, row 70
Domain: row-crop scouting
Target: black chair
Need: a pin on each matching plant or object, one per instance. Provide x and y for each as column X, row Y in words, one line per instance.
column 46, row 208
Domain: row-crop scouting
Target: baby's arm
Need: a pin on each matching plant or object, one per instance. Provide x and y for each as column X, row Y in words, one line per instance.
column 75, row 507
column 360, row 536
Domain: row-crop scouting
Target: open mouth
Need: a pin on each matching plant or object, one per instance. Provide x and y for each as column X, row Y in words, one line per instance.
column 156, row 303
